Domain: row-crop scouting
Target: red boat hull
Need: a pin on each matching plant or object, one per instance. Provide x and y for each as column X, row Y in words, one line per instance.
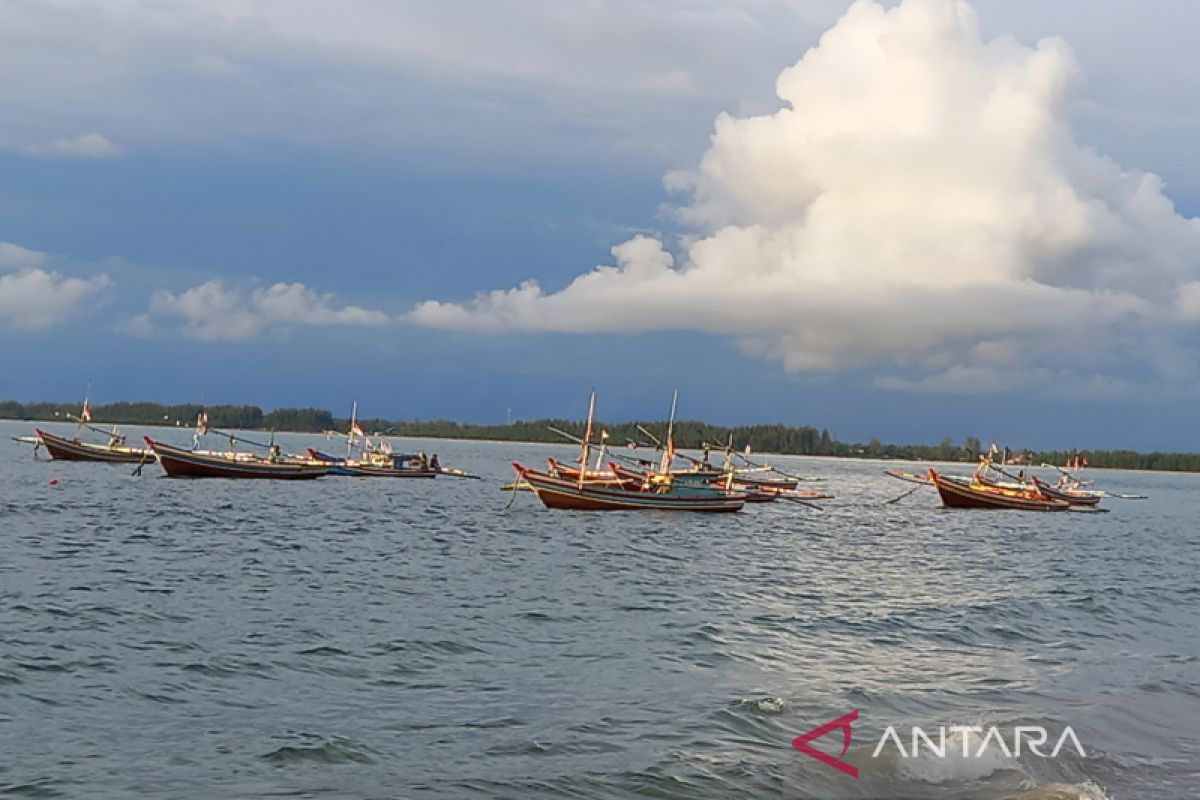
column 70, row 450
column 180, row 463
column 963, row 495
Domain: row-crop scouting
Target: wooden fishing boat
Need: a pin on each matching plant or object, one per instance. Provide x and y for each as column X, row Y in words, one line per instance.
column 559, row 493
column 375, row 465
column 967, row 493
column 1073, row 495
column 180, row 463
column 115, row 452
column 377, row 460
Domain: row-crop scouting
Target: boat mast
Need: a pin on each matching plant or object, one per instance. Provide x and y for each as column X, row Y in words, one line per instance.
column 585, row 446
column 603, row 450
column 669, row 450
column 85, row 414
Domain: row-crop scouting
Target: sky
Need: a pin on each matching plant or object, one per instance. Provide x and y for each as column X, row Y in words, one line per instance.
column 906, row 220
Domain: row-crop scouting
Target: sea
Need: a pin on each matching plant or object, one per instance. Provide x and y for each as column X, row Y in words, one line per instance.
column 375, row 638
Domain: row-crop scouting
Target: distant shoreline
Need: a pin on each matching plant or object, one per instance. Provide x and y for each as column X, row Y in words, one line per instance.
column 765, row 440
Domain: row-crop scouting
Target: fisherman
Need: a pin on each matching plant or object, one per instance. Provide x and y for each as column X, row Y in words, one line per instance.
column 424, row 461
column 434, row 465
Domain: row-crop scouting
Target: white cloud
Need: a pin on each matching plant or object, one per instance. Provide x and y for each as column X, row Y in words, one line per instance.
column 13, row 256
column 88, row 145
column 920, row 200
column 213, row 313
column 34, row 297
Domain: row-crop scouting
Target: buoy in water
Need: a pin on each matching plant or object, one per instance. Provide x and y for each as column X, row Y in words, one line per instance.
column 54, row 481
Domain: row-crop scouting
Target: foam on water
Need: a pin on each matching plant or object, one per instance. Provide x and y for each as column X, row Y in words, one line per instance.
column 1087, row 790
column 959, row 764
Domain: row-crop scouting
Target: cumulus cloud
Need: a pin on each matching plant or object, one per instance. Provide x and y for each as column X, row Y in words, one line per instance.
column 919, row 200
column 13, row 256
column 34, row 297
column 88, row 145
column 212, row 312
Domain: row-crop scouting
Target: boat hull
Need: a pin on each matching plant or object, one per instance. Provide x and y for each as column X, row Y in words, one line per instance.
column 70, row 450
column 1075, row 498
column 180, row 463
column 556, row 493
column 956, row 494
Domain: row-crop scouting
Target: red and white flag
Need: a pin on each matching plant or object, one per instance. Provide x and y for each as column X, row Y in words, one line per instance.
column 86, row 414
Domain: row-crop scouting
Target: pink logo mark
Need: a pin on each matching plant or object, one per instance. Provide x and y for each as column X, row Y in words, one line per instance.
column 801, row 743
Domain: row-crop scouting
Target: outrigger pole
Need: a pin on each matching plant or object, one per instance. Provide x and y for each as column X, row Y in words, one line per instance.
column 577, row 440
column 250, row 442
column 79, row 423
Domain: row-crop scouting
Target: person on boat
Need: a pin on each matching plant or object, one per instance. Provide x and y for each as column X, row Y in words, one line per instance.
column 273, row 452
column 434, row 464
column 424, row 461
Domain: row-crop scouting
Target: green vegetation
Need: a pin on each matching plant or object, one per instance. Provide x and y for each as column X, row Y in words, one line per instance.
column 791, row 440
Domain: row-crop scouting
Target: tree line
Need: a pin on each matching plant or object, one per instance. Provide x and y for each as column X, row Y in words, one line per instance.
column 689, row 434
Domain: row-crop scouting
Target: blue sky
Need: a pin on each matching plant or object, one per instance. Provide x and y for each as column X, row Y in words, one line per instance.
column 300, row 203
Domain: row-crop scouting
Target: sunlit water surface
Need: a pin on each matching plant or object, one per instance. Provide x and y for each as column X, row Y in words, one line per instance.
column 358, row 638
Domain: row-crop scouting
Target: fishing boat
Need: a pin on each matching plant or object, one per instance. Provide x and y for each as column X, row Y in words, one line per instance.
column 114, row 452
column 559, row 493
column 618, row 489
column 178, row 462
column 959, row 492
column 1074, row 495
column 752, row 474
column 376, row 464
column 377, row 460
